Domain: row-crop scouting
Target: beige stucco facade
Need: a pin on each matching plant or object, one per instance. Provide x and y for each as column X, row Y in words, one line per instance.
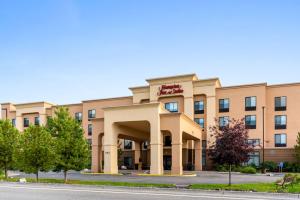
column 156, row 127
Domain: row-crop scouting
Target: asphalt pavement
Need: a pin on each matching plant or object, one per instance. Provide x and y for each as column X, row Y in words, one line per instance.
column 17, row 191
column 202, row 177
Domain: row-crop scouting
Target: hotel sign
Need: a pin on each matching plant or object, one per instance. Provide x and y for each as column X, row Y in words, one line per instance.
column 169, row 89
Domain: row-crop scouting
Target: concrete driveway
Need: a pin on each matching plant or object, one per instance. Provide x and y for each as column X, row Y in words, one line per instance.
column 202, row 177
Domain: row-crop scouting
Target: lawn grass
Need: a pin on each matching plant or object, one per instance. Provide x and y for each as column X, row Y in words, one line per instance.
column 95, row 183
column 253, row 187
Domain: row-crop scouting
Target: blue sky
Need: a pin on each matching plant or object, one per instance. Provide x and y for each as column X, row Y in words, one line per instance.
column 65, row 51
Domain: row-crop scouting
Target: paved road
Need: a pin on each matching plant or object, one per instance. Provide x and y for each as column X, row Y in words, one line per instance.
column 202, row 177
column 15, row 191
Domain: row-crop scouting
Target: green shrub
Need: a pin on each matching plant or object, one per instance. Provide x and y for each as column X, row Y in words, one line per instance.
column 270, row 166
column 221, row 168
column 291, row 167
column 248, row 170
column 225, row 168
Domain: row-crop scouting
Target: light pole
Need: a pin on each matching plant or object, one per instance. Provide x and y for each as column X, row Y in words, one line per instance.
column 263, row 142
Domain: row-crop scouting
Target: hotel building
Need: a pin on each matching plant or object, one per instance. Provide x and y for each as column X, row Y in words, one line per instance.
column 165, row 124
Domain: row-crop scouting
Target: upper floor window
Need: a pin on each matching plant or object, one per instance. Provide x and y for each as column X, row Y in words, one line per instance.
column 13, row 121
column 92, row 114
column 280, row 122
column 26, row 122
column 280, row 103
column 250, row 121
column 127, row 144
column 37, row 121
column 250, row 103
column 280, row 140
column 90, row 129
column 223, row 121
column 167, row 141
column 200, row 121
column 199, row 107
column 253, row 142
column 224, row 105
column 171, row 106
column 78, row 116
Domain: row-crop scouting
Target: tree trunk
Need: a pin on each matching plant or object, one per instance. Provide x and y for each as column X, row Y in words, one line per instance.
column 5, row 171
column 65, row 175
column 37, row 176
column 229, row 175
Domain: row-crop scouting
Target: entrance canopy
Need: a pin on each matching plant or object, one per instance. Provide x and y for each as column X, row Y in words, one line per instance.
column 148, row 122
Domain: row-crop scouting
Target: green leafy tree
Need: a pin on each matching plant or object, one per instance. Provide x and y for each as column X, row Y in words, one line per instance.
column 71, row 147
column 297, row 149
column 37, row 151
column 9, row 139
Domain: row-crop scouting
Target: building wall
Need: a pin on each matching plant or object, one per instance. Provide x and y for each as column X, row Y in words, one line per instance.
column 236, row 96
column 194, row 89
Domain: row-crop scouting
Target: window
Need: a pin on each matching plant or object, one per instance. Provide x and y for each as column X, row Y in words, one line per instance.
column 250, row 121
column 199, row 107
column 128, row 144
column 280, row 122
column 253, row 142
column 223, row 121
column 172, row 106
column 280, row 103
column 26, row 122
column 37, row 121
column 128, row 162
column 250, row 103
column 280, row 140
column 200, row 121
column 254, row 159
column 223, row 105
column 13, row 121
column 92, row 114
column 145, row 144
column 78, row 116
column 90, row 129
column 167, row 141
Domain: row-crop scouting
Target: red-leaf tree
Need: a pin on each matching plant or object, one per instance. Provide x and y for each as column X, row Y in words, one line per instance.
column 230, row 145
